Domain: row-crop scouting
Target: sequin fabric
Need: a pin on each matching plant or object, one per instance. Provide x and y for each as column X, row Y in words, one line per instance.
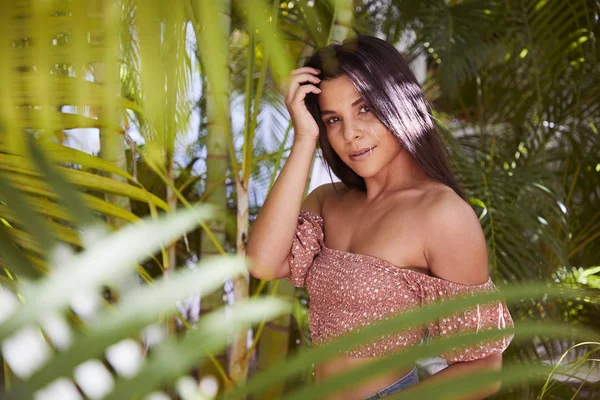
column 348, row 291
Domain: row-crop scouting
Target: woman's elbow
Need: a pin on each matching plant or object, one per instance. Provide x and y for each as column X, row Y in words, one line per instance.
column 261, row 270
column 255, row 267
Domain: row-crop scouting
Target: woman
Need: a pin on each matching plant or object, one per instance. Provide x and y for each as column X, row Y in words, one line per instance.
column 394, row 234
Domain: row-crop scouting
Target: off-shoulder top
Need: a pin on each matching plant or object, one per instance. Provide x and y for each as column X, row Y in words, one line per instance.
column 348, row 291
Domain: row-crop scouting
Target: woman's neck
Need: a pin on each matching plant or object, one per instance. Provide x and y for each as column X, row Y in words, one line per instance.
column 402, row 173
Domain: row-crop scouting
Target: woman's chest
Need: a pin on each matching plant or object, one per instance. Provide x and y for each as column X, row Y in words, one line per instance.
column 354, row 282
column 394, row 235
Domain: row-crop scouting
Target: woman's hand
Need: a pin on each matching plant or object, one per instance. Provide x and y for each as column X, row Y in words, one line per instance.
column 305, row 125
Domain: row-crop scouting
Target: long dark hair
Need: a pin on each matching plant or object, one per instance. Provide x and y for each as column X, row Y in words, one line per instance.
column 384, row 80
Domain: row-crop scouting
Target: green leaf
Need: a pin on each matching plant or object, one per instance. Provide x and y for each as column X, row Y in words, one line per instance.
column 67, row 194
column 35, row 187
column 210, row 335
column 406, row 359
column 105, row 261
column 90, row 181
column 11, row 256
column 459, row 386
column 138, row 309
column 34, row 223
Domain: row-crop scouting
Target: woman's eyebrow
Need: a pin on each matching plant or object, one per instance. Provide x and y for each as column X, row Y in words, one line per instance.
column 355, row 102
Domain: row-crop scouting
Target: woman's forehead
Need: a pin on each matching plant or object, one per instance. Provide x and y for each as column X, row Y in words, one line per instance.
column 337, row 92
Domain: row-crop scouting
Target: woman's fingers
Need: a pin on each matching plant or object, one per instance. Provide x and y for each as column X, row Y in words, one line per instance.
column 295, row 84
column 301, row 71
column 302, row 81
column 303, row 90
column 305, row 69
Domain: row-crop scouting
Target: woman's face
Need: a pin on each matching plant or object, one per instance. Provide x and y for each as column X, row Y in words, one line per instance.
column 354, row 132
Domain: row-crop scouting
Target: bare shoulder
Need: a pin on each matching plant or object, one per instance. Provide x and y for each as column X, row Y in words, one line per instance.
column 321, row 195
column 455, row 245
column 441, row 204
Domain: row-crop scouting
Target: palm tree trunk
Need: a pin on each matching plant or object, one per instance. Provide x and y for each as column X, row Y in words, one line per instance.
column 171, row 256
column 112, row 149
column 172, row 202
column 238, row 362
column 112, row 142
column 217, row 164
column 238, row 357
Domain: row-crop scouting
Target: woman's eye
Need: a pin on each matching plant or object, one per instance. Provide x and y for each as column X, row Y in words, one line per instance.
column 332, row 120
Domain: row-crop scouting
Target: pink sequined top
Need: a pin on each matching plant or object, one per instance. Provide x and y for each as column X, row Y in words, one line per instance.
column 350, row 290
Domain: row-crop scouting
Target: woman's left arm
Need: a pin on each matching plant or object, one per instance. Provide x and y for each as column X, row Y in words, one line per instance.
column 456, row 251
column 491, row 363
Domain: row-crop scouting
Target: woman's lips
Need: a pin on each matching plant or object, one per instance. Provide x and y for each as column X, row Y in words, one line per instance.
column 362, row 154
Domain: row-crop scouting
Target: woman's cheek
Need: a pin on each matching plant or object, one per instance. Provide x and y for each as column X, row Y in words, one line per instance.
column 332, row 137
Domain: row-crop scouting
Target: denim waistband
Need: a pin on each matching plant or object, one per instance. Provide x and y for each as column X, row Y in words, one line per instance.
column 408, row 380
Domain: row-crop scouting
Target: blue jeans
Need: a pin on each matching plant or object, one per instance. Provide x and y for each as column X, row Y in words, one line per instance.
column 408, row 380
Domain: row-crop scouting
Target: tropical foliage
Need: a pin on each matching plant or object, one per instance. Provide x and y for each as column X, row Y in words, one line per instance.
column 184, row 99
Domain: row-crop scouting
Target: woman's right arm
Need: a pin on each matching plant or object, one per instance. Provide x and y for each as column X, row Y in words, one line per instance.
column 270, row 240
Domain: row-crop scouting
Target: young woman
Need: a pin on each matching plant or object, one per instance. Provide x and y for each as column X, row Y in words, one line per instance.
column 394, row 234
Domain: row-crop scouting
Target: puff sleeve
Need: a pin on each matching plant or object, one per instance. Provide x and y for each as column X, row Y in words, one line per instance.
column 306, row 245
column 492, row 315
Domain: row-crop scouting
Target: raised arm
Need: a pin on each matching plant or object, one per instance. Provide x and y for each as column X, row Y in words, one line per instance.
column 272, row 233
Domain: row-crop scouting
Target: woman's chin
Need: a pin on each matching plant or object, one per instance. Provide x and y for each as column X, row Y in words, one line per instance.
column 364, row 173
column 364, row 170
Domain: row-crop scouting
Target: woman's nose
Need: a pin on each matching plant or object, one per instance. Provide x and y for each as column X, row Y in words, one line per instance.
column 352, row 131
